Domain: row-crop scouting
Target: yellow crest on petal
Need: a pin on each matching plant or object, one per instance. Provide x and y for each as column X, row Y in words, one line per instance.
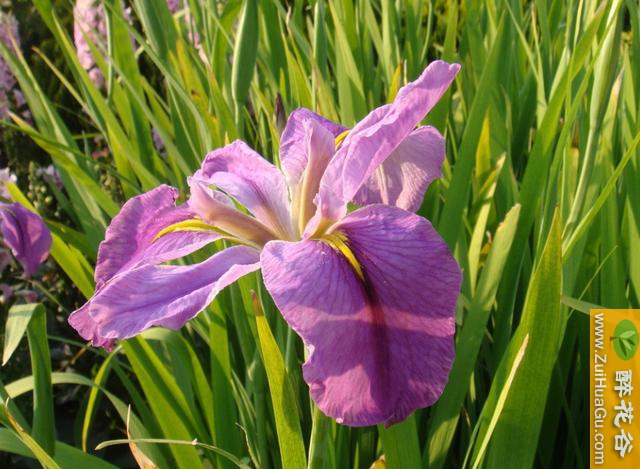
column 194, row 224
column 338, row 241
column 340, row 138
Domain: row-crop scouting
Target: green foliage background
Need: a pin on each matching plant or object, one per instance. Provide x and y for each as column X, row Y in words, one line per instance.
column 540, row 203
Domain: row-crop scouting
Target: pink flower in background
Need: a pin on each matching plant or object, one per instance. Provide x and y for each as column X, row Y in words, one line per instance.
column 371, row 292
column 10, row 96
column 89, row 22
column 174, row 5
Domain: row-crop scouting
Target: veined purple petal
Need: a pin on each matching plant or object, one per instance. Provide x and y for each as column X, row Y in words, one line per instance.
column 26, row 234
column 129, row 239
column 375, row 138
column 405, row 175
column 293, row 149
column 251, row 180
column 382, row 347
column 217, row 209
column 159, row 295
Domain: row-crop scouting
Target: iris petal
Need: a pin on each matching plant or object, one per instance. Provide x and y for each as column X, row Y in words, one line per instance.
column 252, row 181
column 130, row 238
column 293, row 148
column 320, row 147
column 215, row 208
column 381, row 348
column 159, row 295
column 376, row 137
column 403, row 178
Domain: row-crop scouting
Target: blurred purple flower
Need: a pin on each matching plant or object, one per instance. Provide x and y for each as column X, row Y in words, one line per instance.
column 372, row 292
column 26, row 235
column 174, row 5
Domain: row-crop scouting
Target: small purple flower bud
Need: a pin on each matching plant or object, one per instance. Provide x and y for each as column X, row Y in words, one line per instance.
column 279, row 115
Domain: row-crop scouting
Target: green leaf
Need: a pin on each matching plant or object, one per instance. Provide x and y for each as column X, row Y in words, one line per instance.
column 30, row 443
column 165, row 399
column 446, row 412
column 244, row 53
column 579, row 305
column 458, row 193
column 43, row 431
column 66, row 456
column 627, row 334
column 17, row 322
column 516, row 433
column 502, row 399
column 292, row 452
column 25, row 385
column 400, row 444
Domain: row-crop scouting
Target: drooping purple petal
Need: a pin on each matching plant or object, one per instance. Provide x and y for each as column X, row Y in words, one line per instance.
column 26, row 234
column 159, row 295
column 404, row 176
column 382, row 347
column 129, row 239
column 251, row 180
column 293, row 149
column 375, row 138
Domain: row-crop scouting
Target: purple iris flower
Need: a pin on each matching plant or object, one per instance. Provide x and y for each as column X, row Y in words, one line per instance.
column 371, row 292
column 26, row 235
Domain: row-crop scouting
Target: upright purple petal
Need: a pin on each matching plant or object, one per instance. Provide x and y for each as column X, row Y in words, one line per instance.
column 405, row 175
column 251, row 180
column 26, row 234
column 129, row 239
column 380, row 347
column 293, row 149
column 319, row 149
column 159, row 295
column 375, row 138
